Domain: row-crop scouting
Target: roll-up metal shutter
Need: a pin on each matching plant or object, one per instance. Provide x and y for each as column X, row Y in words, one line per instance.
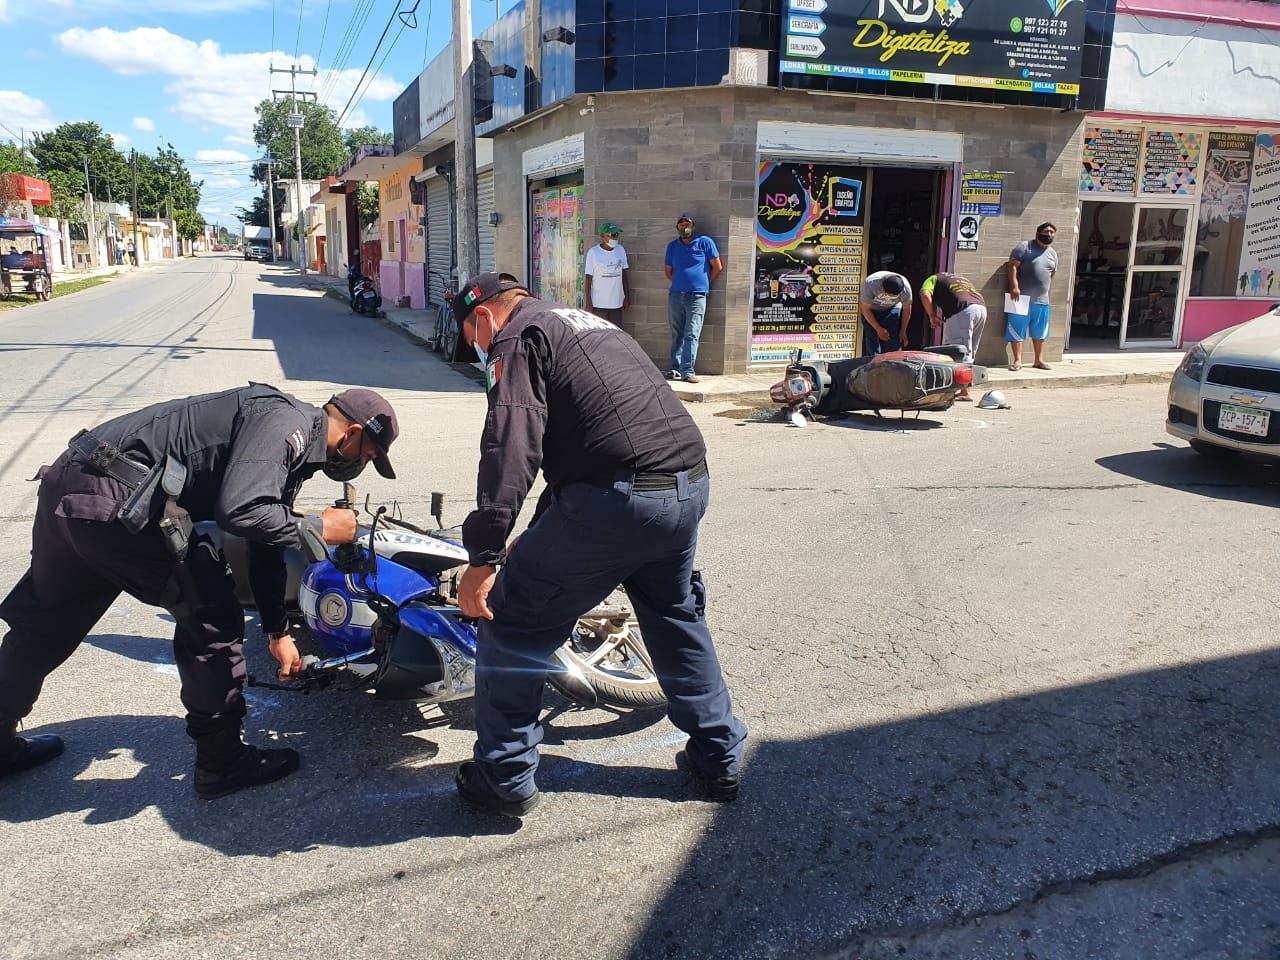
column 439, row 238
column 484, row 207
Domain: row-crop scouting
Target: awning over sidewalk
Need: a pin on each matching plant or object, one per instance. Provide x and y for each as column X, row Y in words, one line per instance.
column 13, row 226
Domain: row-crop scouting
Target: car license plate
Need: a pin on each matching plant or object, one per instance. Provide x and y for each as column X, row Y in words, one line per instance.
column 1243, row 420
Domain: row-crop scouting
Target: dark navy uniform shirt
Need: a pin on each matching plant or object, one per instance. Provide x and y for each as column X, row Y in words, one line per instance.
column 571, row 394
column 247, row 451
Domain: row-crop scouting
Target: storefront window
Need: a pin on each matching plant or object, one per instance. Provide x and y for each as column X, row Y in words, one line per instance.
column 1224, row 203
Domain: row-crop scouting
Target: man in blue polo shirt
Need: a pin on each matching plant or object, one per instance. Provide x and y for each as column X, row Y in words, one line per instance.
column 692, row 265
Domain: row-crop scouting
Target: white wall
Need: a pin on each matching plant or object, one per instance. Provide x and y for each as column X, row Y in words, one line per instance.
column 1183, row 68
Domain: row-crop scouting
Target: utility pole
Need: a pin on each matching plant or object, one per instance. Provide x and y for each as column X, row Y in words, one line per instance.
column 464, row 143
column 271, row 206
column 296, row 121
column 92, row 233
column 137, row 249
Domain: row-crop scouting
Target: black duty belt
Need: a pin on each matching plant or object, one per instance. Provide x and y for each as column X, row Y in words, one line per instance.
column 108, row 460
column 649, row 482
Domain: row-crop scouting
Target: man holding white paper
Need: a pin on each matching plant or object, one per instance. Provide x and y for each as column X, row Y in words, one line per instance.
column 1032, row 265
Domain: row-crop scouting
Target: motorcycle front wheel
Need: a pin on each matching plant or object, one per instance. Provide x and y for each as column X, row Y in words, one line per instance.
column 608, row 649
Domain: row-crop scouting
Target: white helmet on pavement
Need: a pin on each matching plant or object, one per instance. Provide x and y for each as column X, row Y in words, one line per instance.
column 994, row 400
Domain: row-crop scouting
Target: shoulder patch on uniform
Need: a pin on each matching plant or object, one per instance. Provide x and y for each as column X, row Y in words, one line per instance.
column 297, row 443
column 493, row 373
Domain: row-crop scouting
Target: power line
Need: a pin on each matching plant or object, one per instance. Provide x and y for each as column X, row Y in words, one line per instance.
column 347, row 45
column 297, row 41
column 390, row 20
column 324, row 29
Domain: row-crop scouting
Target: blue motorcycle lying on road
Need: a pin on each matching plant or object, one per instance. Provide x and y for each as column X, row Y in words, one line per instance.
column 384, row 610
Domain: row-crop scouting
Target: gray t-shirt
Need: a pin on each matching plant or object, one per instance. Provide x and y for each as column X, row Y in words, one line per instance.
column 874, row 293
column 1036, row 266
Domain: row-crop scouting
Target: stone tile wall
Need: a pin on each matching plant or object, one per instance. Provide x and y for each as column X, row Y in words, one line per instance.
column 653, row 155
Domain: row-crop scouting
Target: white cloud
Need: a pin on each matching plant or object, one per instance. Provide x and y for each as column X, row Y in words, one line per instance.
column 210, row 88
column 219, row 182
column 221, row 156
column 120, row 139
column 238, row 141
column 20, row 112
column 143, row 123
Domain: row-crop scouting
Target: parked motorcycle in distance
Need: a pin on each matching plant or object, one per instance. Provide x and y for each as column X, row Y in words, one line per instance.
column 365, row 299
column 904, row 380
column 384, row 611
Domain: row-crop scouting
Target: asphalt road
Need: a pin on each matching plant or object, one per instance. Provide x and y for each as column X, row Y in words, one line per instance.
column 1011, row 678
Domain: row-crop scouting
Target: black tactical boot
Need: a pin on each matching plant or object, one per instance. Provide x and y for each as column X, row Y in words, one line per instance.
column 22, row 753
column 225, row 764
column 723, row 789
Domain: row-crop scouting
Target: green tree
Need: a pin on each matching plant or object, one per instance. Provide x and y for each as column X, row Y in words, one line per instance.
column 68, row 195
column 322, row 146
column 164, row 183
column 12, row 160
column 367, row 204
column 189, row 223
column 68, row 147
column 362, row 136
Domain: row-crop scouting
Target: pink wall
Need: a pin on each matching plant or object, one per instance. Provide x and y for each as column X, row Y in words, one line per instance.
column 1201, row 318
column 391, row 281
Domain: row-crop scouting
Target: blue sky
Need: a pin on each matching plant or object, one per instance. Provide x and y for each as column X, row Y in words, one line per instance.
column 189, row 72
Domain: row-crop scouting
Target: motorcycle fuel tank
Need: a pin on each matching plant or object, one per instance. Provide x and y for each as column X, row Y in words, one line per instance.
column 334, row 605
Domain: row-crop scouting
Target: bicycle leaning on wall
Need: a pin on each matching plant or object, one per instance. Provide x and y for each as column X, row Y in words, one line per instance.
column 444, row 333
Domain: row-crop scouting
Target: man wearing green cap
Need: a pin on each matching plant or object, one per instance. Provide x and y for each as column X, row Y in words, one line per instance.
column 607, row 288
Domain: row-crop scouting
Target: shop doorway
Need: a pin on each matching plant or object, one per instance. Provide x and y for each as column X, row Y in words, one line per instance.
column 1131, row 275
column 557, row 239
column 903, row 233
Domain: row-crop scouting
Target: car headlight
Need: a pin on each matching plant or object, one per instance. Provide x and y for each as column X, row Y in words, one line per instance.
column 1193, row 363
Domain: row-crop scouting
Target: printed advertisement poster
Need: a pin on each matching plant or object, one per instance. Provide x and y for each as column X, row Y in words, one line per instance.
column 1026, row 45
column 572, row 251
column 1110, row 161
column 1226, row 177
column 810, row 224
column 980, row 193
column 1169, row 162
column 1260, row 258
column 537, row 238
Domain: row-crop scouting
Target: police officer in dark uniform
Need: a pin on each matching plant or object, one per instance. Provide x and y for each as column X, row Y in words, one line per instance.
column 115, row 514
column 627, row 486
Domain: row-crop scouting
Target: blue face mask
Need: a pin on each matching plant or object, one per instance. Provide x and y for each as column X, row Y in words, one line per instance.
column 484, row 357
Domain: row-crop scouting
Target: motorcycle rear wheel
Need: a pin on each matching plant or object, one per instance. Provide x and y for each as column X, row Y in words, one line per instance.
column 608, row 648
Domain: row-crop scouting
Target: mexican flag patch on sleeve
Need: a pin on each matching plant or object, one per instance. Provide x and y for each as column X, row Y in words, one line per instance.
column 493, row 373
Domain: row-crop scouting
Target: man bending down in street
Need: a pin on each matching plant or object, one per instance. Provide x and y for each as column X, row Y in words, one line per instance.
column 627, row 486
column 115, row 514
column 954, row 303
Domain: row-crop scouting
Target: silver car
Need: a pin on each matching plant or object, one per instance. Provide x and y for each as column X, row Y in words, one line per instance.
column 1225, row 395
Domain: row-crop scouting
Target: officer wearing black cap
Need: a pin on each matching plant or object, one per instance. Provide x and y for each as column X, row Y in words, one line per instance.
column 627, row 486
column 115, row 514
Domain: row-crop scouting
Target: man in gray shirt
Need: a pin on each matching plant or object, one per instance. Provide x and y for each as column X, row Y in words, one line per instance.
column 1032, row 265
column 885, row 305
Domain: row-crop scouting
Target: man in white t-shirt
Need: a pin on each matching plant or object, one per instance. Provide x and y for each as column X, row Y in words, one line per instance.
column 607, row 288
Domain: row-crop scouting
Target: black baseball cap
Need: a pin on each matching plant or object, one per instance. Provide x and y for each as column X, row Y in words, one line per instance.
column 479, row 289
column 375, row 415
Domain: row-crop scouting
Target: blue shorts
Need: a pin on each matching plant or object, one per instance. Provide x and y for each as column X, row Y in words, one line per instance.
column 1035, row 323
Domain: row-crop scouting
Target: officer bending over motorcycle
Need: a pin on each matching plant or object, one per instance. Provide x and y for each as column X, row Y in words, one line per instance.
column 627, row 486
column 115, row 513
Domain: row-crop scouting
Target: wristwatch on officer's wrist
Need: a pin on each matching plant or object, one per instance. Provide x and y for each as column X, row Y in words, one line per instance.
column 274, row 635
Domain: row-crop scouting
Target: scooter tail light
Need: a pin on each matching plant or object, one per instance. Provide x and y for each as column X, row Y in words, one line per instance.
column 964, row 376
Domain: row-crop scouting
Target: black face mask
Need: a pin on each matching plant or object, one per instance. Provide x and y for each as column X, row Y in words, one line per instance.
column 1045, row 238
column 339, row 468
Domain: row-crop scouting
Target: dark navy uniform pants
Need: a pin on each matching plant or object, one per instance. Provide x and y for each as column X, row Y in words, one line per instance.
column 78, row 568
column 589, row 540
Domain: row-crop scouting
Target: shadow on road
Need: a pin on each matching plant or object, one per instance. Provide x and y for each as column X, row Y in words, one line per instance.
column 317, row 338
column 1244, row 479
column 953, row 818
